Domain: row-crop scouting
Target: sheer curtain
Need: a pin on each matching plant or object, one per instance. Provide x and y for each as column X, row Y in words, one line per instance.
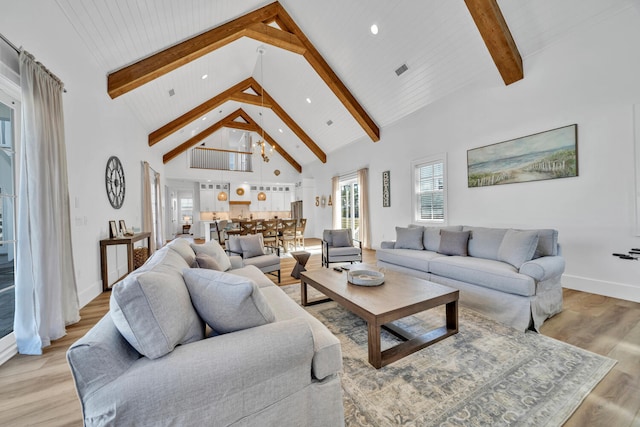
column 46, row 294
column 158, row 211
column 147, row 206
column 363, row 188
column 337, row 201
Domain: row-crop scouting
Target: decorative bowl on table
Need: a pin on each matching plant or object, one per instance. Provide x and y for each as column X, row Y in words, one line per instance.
column 365, row 277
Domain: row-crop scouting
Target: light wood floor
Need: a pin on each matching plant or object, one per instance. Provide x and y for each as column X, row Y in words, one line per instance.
column 39, row 390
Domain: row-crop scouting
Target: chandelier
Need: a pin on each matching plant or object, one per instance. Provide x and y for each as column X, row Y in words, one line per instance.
column 262, row 143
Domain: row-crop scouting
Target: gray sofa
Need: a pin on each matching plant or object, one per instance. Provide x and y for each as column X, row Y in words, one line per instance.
column 511, row 276
column 148, row 361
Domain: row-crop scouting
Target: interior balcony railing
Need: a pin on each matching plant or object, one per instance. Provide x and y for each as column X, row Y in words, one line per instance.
column 213, row 158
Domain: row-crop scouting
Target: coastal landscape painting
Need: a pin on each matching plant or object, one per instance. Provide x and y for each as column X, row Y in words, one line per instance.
column 545, row 155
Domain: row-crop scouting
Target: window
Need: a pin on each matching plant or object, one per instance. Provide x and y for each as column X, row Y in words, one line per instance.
column 429, row 189
column 349, row 206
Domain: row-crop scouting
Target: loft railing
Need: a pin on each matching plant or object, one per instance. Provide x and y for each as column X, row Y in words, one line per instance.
column 213, row 158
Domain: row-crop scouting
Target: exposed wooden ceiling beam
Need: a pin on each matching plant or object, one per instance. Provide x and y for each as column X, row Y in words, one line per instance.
column 202, row 109
column 254, row 25
column 230, row 121
column 496, row 35
column 237, row 93
column 159, row 64
column 317, row 62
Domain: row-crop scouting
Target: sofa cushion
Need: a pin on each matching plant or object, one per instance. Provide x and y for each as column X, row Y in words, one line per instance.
column 183, row 247
column 227, row 302
column 164, row 260
column 214, row 250
column 489, row 273
column 518, row 247
column 252, row 272
column 206, row 261
column 341, row 238
column 453, row 242
column 153, row 312
column 327, row 358
column 263, row 261
column 233, row 245
column 343, row 251
column 252, row 246
column 485, row 242
column 409, row 258
column 431, row 236
column 409, row 238
column 547, row 243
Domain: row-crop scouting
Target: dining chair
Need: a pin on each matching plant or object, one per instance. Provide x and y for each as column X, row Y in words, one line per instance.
column 270, row 232
column 247, row 227
column 302, row 223
column 288, row 233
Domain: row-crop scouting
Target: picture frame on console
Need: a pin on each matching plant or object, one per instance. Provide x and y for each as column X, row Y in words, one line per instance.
column 123, row 227
column 542, row 156
column 113, row 229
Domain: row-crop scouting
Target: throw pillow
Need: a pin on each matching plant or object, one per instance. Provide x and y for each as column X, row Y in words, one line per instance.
column 409, row 238
column 518, row 247
column 153, row 312
column 208, row 262
column 341, row 238
column 251, row 246
column 183, row 248
column 453, row 242
column 215, row 251
column 233, row 245
column 227, row 302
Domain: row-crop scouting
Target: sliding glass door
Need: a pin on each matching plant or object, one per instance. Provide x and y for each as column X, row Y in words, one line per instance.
column 349, row 206
column 8, row 110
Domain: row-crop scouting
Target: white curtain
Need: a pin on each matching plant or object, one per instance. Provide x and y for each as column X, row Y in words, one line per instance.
column 158, row 211
column 46, row 294
column 147, row 206
column 337, row 201
column 363, row 188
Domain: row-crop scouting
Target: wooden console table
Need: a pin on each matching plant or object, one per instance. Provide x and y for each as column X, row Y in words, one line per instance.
column 126, row 240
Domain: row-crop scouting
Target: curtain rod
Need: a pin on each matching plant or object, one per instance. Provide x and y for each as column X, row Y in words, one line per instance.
column 11, row 45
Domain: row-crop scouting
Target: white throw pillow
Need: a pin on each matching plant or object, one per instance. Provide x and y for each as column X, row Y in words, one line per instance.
column 227, row 302
column 214, row 250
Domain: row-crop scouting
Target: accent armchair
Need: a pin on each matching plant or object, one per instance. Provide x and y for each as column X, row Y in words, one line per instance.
column 340, row 246
column 254, row 252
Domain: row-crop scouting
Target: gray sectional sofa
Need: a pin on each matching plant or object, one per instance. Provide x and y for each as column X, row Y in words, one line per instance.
column 511, row 276
column 192, row 346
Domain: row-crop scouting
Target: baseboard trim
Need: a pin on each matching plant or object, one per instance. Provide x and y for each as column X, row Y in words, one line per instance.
column 88, row 294
column 601, row 287
column 10, row 350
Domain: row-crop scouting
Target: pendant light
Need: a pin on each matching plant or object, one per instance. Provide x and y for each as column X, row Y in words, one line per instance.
column 262, row 196
column 222, row 195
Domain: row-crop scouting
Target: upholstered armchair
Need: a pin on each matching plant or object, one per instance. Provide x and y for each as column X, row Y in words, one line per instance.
column 254, row 252
column 340, row 246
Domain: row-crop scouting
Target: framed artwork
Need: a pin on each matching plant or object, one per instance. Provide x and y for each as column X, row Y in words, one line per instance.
column 113, row 230
column 386, row 189
column 541, row 156
column 123, row 227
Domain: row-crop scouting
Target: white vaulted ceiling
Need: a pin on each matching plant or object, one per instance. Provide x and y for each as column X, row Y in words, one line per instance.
column 437, row 40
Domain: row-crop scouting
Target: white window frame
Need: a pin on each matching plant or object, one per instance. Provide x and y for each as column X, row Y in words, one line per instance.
column 415, row 188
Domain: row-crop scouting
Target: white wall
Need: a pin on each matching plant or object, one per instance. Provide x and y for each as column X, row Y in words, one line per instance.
column 591, row 78
column 96, row 126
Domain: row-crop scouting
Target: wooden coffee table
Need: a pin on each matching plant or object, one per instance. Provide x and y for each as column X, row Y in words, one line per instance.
column 399, row 296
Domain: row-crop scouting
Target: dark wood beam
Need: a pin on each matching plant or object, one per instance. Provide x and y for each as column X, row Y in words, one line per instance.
column 497, row 37
column 199, row 111
column 326, row 73
column 159, row 64
column 191, row 142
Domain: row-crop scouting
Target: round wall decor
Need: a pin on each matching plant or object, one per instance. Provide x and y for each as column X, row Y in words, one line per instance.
column 276, row 172
column 114, row 182
column 239, row 191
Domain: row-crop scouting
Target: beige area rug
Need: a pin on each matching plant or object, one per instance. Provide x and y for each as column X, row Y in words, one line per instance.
column 486, row 375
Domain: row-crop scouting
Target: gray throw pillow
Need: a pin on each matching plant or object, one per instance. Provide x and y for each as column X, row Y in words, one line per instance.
column 409, row 238
column 227, row 302
column 251, row 246
column 208, row 262
column 214, row 250
column 153, row 312
column 233, row 245
column 518, row 247
column 183, row 247
column 341, row 238
column 453, row 242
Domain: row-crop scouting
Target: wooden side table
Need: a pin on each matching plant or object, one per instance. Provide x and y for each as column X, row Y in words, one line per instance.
column 126, row 240
column 301, row 258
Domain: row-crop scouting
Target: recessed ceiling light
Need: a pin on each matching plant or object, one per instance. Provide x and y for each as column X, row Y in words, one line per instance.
column 309, row 100
column 204, row 118
column 280, row 130
column 374, row 29
column 204, row 76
